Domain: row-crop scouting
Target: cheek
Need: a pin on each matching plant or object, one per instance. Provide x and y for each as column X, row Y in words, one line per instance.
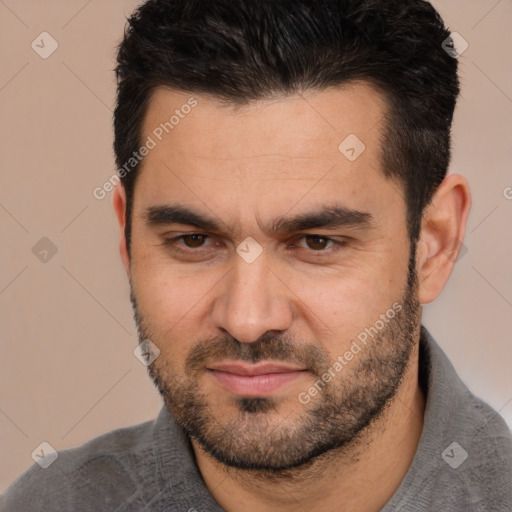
column 171, row 304
column 341, row 307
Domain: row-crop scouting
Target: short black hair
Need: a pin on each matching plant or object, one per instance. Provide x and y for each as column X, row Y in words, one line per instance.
column 243, row 50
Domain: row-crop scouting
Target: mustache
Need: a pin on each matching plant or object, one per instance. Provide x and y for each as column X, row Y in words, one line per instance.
column 268, row 347
column 283, row 349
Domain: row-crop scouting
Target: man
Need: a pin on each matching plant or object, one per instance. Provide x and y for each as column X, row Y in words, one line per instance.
column 285, row 212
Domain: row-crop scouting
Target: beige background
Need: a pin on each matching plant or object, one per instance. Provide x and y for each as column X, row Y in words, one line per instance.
column 67, row 371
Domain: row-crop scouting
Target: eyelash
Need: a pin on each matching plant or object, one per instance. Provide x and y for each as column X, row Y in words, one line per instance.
column 337, row 244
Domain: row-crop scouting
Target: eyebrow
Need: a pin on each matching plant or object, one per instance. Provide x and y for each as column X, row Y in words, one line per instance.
column 334, row 216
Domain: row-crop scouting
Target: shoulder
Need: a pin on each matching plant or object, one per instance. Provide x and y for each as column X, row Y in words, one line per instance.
column 486, row 473
column 473, row 462
column 104, row 472
column 464, row 457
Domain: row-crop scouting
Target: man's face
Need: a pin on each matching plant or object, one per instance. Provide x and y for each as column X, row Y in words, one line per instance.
column 250, row 320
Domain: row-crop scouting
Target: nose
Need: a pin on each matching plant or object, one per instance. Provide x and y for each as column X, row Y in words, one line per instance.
column 252, row 300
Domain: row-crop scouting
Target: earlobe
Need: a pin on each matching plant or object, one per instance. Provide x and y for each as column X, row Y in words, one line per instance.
column 119, row 205
column 442, row 232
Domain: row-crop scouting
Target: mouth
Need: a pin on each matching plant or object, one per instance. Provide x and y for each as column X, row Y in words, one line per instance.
column 254, row 380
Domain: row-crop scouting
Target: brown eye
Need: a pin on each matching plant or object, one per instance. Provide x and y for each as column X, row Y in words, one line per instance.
column 194, row 240
column 316, row 243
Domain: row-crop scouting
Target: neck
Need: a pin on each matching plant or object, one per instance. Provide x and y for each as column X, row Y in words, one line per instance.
column 360, row 477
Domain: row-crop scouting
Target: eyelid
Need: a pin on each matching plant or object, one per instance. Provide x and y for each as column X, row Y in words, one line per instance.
column 172, row 241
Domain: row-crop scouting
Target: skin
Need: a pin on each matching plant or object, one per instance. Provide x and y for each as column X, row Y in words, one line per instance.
column 249, row 165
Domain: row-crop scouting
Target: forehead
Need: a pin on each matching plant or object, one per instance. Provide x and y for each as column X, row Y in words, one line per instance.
column 267, row 154
column 310, row 124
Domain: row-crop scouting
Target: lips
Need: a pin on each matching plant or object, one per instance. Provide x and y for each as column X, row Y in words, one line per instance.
column 254, row 380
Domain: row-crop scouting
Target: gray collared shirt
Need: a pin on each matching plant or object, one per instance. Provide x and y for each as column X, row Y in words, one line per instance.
column 463, row 462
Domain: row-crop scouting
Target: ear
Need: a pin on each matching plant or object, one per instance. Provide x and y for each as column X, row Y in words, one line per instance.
column 442, row 232
column 119, row 204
